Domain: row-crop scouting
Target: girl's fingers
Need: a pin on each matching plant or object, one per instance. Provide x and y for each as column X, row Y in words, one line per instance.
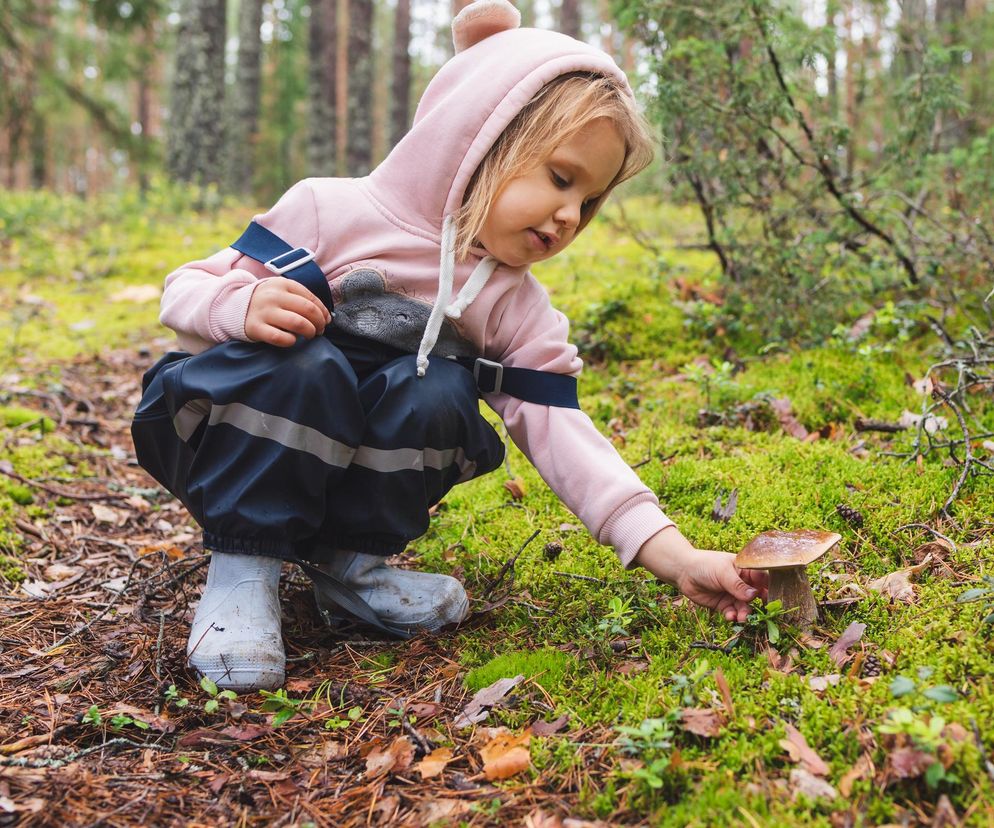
column 287, row 320
column 306, row 309
column 299, row 290
column 274, row 336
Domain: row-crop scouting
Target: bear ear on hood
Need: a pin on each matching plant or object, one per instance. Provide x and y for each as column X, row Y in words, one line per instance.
column 481, row 19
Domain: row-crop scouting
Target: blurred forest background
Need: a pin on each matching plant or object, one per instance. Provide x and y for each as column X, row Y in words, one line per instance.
column 833, row 148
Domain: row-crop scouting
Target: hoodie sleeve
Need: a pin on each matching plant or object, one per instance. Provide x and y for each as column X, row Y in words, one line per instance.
column 205, row 301
column 577, row 462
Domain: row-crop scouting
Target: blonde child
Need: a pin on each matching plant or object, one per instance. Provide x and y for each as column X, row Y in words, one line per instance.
column 334, row 356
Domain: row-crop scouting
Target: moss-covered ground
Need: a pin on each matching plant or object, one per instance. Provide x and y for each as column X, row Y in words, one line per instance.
column 612, row 648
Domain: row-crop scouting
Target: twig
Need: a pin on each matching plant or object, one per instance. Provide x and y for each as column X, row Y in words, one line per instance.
column 927, row 528
column 72, row 757
column 983, row 751
column 581, row 577
column 508, row 566
column 7, row 470
column 967, row 461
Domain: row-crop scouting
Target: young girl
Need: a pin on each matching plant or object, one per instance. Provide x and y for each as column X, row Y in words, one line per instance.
column 341, row 345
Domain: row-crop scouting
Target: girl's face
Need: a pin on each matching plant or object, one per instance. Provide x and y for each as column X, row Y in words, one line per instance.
column 536, row 215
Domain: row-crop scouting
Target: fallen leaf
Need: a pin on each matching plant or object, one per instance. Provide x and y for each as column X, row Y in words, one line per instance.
column 479, row 706
column 702, row 721
column 924, row 386
column 797, row 748
column 897, row 585
column 863, row 769
column 326, row 752
column 267, row 776
column 725, row 690
column 851, row 634
column 822, row 683
column 154, row 722
column 628, row 668
column 397, row 757
column 506, row 755
column 807, row 784
column 434, row 763
column 245, row 733
column 908, row 763
column 424, row 710
column 441, row 810
column 542, row 819
column 788, row 422
column 540, row 728
column 929, row 422
column 59, row 571
column 105, row 514
column 516, row 486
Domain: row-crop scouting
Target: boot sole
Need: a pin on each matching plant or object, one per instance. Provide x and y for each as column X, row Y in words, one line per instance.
column 335, row 617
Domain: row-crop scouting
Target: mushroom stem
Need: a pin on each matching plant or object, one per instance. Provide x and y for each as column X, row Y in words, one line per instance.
column 791, row 587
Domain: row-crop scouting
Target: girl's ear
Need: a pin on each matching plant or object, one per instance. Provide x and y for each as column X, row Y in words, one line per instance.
column 481, row 19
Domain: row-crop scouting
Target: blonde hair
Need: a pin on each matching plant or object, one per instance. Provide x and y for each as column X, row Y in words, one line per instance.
column 559, row 110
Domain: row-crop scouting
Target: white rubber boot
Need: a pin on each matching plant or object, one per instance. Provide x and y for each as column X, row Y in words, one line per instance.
column 236, row 639
column 413, row 601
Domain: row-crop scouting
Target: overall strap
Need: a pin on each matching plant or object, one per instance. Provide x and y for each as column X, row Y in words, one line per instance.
column 295, row 263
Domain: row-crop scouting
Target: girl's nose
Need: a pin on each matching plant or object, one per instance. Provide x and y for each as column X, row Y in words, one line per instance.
column 568, row 214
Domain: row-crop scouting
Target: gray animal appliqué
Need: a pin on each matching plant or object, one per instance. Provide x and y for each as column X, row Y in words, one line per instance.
column 365, row 307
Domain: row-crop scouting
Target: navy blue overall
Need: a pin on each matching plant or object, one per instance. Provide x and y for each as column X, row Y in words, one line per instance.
column 333, row 443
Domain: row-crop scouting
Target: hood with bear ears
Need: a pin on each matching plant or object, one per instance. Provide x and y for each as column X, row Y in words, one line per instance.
column 496, row 71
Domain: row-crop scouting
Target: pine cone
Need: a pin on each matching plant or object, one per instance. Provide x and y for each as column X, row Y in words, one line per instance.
column 871, row 666
column 850, row 515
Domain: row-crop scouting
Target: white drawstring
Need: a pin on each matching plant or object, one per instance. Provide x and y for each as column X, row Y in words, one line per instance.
column 476, row 282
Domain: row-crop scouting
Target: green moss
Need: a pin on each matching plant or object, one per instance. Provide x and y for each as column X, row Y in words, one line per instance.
column 10, row 570
column 546, row 666
column 15, row 417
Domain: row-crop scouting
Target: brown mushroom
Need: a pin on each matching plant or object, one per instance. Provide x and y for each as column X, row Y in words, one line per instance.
column 785, row 555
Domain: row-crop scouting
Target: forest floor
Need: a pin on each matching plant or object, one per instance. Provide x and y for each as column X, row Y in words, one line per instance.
column 576, row 693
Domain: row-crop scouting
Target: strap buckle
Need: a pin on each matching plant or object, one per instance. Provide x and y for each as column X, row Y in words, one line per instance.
column 303, row 254
column 496, row 367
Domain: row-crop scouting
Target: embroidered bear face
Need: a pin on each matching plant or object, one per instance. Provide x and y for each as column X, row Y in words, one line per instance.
column 364, row 307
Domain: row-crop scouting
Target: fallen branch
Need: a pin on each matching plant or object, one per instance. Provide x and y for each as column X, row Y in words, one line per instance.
column 8, row 470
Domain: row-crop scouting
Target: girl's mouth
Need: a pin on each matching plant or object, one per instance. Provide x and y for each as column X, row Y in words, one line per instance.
column 540, row 240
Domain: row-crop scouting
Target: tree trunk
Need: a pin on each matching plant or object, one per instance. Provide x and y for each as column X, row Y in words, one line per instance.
column 569, row 17
column 831, row 12
column 193, row 151
column 322, row 51
column 359, row 152
column 400, row 89
column 242, row 122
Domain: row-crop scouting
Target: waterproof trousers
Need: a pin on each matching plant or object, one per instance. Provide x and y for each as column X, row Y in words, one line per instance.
column 332, row 444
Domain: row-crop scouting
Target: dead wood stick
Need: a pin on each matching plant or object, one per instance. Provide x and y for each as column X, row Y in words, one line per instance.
column 927, row 528
column 508, row 566
column 7, row 470
column 72, row 757
column 877, row 425
column 31, row 741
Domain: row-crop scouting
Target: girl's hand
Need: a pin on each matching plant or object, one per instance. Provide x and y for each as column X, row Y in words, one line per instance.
column 706, row 577
column 282, row 309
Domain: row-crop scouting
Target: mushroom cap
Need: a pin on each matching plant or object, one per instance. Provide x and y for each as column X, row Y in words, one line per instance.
column 782, row 550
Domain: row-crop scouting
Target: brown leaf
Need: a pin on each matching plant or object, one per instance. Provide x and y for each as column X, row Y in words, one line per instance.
column 397, row 757
column 702, row 721
column 424, row 710
column 897, row 585
column 434, row 763
column 788, row 422
column 479, row 706
column 628, row 668
column 104, row 514
column 540, row 728
column 542, row 819
column 908, row 763
column 821, row 683
column 516, row 486
column 726, row 692
column 803, row 782
column 506, row 755
column 320, row 754
column 797, row 748
column 440, row 811
column 852, row 634
column 163, row 725
column 247, row 732
column 863, row 769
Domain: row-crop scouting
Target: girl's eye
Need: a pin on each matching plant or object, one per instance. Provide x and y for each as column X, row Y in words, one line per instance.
column 558, row 180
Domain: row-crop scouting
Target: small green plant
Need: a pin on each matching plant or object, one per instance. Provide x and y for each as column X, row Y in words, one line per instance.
column 284, row 707
column 617, row 619
column 925, row 735
column 687, row 686
column 93, row 717
column 901, row 686
column 173, row 697
column 211, row 689
column 985, row 594
column 339, row 723
column 651, row 742
column 766, row 616
column 714, row 378
column 396, row 717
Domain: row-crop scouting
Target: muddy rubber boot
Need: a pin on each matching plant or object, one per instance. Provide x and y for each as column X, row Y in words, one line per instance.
column 409, row 601
column 236, row 639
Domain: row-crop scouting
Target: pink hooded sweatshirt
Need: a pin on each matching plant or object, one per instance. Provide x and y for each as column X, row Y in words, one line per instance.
column 384, row 243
